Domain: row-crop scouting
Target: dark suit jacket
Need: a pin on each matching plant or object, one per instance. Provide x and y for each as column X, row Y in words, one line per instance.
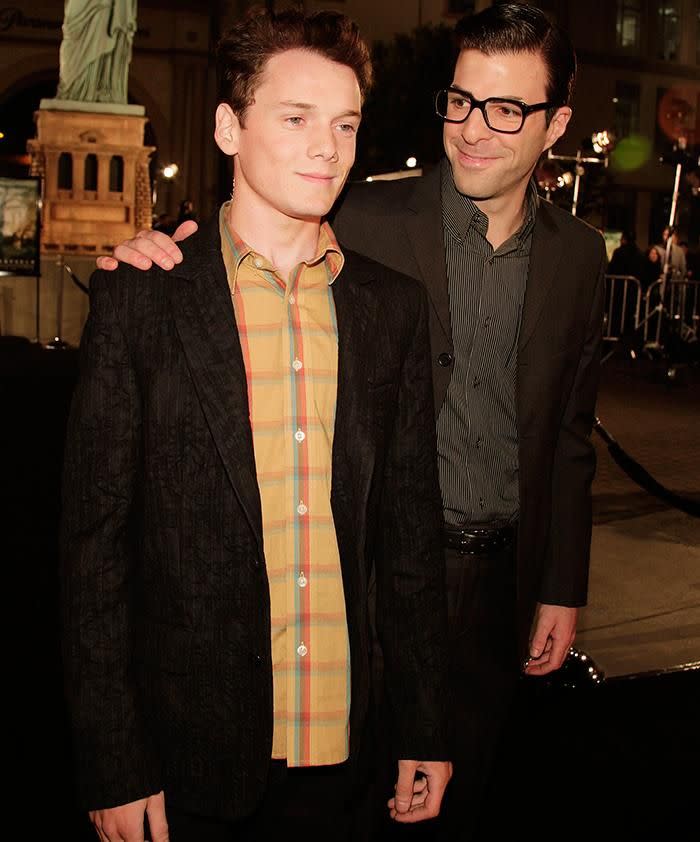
column 165, row 593
column 399, row 223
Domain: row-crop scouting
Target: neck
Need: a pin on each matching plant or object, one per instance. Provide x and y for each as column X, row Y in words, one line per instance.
column 505, row 215
column 285, row 241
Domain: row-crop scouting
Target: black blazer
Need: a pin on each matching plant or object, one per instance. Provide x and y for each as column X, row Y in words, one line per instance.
column 558, row 364
column 165, row 593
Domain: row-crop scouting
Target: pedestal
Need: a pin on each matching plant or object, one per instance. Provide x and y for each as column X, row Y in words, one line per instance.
column 94, row 168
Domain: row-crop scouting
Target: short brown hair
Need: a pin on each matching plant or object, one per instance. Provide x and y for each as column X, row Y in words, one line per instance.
column 243, row 52
column 519, row 28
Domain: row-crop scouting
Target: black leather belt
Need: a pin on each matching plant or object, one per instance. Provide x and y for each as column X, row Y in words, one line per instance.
column 479, row 540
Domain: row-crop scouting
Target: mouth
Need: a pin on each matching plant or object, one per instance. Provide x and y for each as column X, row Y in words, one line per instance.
column 477, row 162
column 317, row 178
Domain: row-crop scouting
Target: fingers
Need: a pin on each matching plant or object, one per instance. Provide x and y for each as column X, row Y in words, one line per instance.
column 552, row 658
column 145, row 249
column 157, row 822
column 183, row 231
column 428, row 794
column 108, row 263
column 404, row 786
column 540, row 641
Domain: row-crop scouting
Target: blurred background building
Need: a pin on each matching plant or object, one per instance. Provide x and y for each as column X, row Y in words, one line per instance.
column 639, row 80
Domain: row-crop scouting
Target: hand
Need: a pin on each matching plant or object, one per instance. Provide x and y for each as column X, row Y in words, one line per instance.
column 417, row 799
column 125, row 823
column 553, row 632
column 149, row 247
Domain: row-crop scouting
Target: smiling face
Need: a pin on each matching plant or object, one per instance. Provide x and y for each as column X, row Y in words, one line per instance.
column 296, row 145
column 490, row 167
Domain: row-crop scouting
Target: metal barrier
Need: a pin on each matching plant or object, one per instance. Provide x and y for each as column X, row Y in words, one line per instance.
column 678, row 302
column 623, row 306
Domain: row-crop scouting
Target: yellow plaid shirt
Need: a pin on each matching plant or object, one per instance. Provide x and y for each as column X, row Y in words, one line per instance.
column 289, row 340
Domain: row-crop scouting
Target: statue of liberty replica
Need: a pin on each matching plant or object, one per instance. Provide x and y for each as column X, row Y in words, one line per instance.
column 96, row 50
column 89, row 148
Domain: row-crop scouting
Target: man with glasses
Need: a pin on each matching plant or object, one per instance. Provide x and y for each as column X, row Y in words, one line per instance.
column 516, row 291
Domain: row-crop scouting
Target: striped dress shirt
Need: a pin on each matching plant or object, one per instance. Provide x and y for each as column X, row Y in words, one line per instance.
column 477, row 430
column 289, row 340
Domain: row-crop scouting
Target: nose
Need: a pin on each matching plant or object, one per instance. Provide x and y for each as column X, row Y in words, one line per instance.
column 474, row 128
column 324, row 144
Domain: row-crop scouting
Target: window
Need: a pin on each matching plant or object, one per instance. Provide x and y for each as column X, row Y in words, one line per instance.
column 669, row 33
column 90, row 180
column 626, row 103
column 65, row 171
column 116, row 174
column 628, row 26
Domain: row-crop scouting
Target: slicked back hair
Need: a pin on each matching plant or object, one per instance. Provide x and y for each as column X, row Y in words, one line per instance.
column 519, row 28
column 243, row 52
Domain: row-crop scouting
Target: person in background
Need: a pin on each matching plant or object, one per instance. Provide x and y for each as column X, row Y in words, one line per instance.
column 627, row 259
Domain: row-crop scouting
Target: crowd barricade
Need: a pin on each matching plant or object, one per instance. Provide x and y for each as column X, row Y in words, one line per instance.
column 623, row 306
column 681, row 308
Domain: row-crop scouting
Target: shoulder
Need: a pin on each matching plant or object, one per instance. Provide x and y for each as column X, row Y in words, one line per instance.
column 397, row 290
column 579, row 237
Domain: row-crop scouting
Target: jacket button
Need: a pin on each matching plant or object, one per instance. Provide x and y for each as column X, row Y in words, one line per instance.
column 257, row 660
column 445, row 359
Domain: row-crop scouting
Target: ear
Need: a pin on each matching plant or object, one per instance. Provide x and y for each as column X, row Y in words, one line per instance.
column 227, row 129
column 557, row 126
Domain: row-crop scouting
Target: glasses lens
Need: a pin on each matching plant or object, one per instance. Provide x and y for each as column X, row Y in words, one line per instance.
column 452, row 105
column 504, row 116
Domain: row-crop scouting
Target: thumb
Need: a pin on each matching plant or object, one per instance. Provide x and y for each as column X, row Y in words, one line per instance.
column 404, row 785
column 183, row 231
column 157, row 823
column 538, row 642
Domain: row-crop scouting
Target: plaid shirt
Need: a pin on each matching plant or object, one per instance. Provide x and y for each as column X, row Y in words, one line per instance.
column 289, row 340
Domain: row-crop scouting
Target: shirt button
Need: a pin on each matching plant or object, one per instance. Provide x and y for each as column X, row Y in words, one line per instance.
column 487, row 321
column 481, row 502
column 478, row 443
column 302, row 650
column 302, row 509
column 301, row 580
column 445, row 360
column 477, row 382
column 297, row 365
column 300, row 435
column 292, row 299
column 258, row 262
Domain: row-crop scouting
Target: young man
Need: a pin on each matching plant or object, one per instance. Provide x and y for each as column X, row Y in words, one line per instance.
column 516, row 291
column 247, row 437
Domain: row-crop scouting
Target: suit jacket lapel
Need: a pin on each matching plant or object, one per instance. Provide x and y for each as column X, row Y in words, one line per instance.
column 547, row 249
column 204, row 317
column 425, row 233
column 353, row 446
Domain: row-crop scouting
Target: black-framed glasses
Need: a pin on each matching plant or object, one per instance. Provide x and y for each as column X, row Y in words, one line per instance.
column 501, row 115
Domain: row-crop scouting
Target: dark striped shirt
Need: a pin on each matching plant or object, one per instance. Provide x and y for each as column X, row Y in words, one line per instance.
column 477, row 426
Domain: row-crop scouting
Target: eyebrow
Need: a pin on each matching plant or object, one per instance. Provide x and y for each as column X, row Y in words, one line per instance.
column 509, row 97
column 307, row 106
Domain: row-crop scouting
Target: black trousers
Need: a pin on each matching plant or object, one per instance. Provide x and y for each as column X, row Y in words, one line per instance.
column 316, row 804
column 484, row 674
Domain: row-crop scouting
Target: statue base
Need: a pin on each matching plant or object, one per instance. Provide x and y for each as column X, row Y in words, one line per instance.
column 96, row 185
column 91, row 107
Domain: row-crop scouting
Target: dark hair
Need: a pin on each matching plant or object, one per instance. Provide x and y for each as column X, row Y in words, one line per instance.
column 243, row 52
column 517, row 28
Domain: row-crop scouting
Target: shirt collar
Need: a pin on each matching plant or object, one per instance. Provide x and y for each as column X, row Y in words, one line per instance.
column 459, row 213
column 235, row 250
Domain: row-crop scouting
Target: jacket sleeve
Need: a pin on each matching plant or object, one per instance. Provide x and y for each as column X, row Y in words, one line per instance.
column 410, row 565
column 565, row 580
column 113, row 759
